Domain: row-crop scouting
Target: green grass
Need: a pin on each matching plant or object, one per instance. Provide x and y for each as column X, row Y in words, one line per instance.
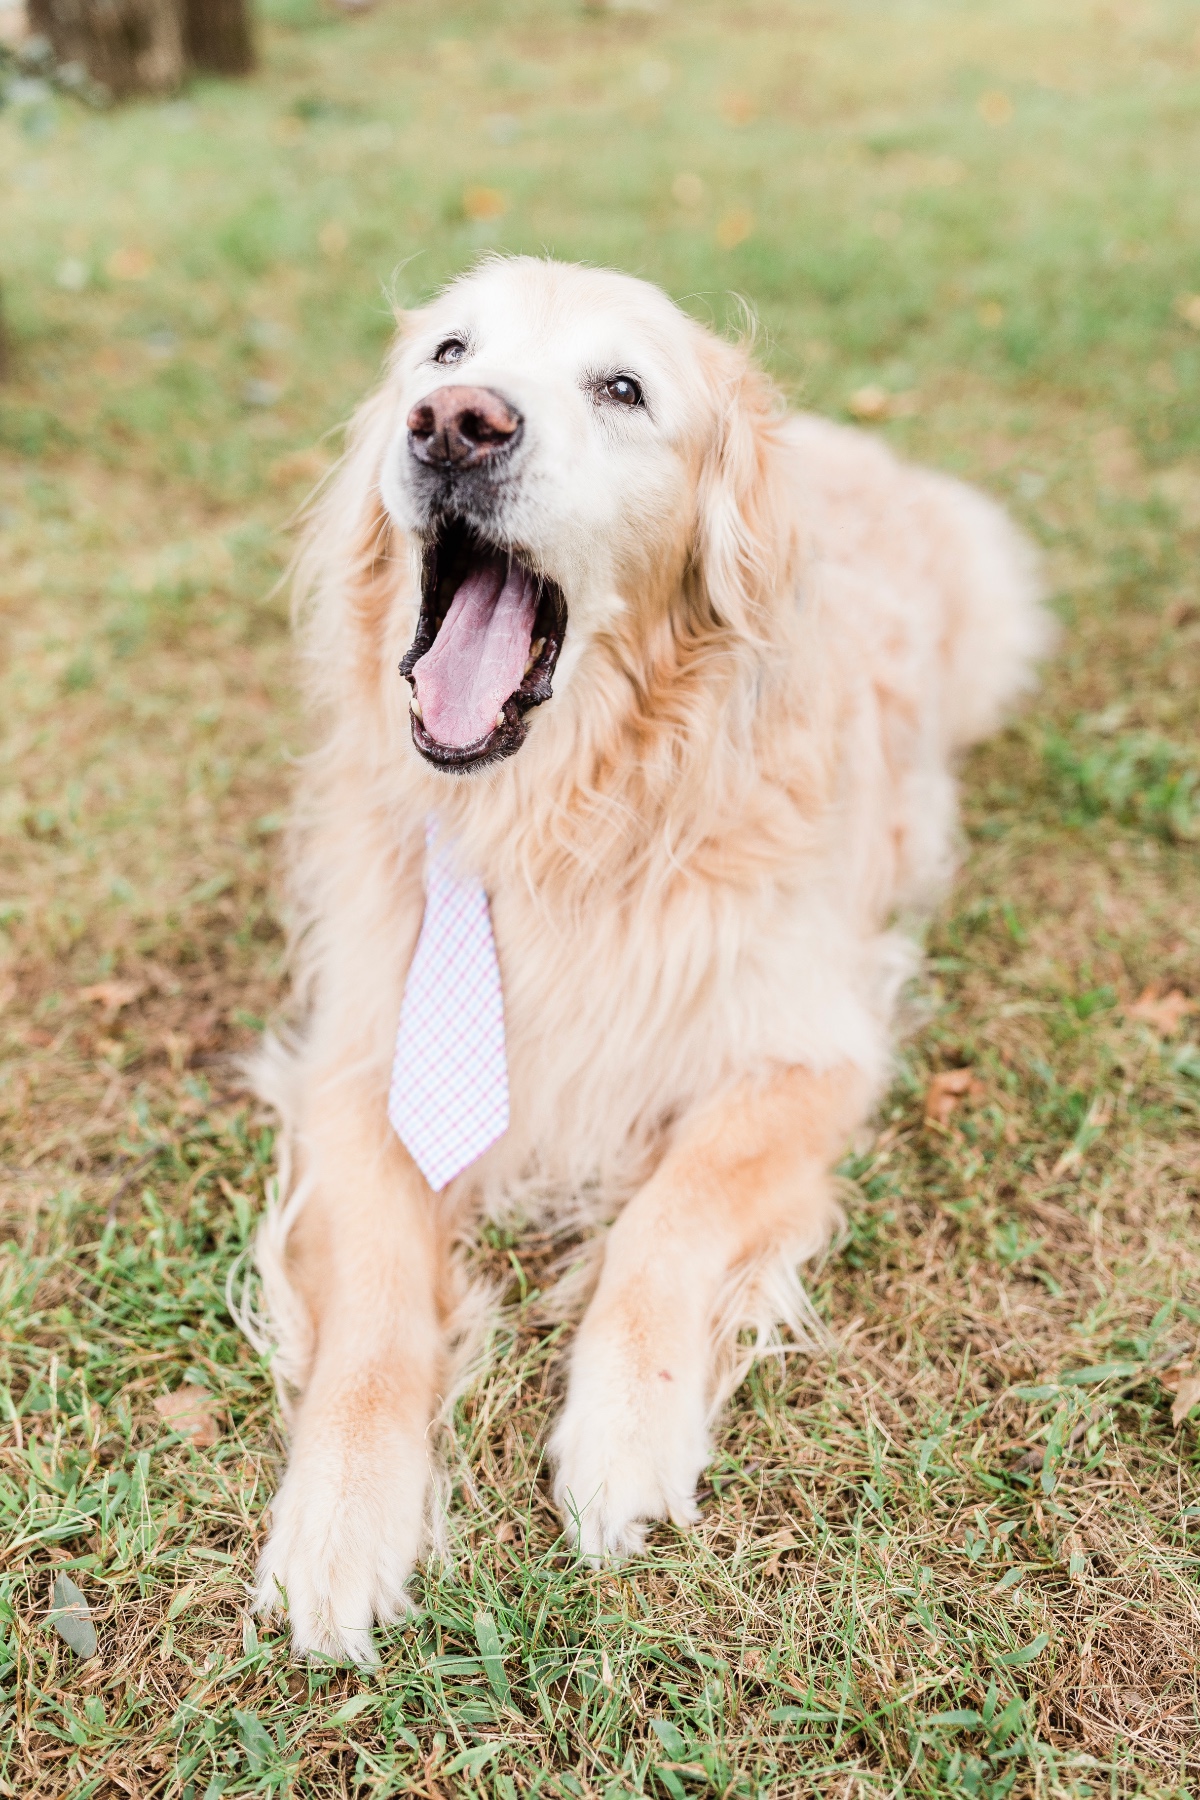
column 990, row 210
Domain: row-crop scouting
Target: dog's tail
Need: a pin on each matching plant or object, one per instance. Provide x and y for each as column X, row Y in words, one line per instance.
column 997, row 627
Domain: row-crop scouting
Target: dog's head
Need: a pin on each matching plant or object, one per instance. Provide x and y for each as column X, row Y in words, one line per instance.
column 569, row 455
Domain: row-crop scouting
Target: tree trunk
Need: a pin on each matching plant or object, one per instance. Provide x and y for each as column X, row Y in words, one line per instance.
column 129, row 46
column 217, row 36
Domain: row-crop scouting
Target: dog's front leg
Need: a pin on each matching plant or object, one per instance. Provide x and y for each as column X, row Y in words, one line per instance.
column 348, row 1520
column 746, row 1178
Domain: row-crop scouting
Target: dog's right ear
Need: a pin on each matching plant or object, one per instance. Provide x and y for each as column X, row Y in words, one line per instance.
column 745, row 538
column 352, row 560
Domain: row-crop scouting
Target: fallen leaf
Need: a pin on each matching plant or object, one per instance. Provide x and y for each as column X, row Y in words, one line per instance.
column 734, row 228
column 1185, row 1386
column 189, row 1411
column 870, row 402
column 1187, row 1397
column 946, row 1090
column 994, row 107
column 113, row 995
column 737, row 108
column 129, row 265
column 482, row 203
column 1165, row 1012
column 72, row 1617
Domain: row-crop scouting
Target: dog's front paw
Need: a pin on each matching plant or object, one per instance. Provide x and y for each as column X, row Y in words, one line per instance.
column 347, row 1526
column 629, row 1448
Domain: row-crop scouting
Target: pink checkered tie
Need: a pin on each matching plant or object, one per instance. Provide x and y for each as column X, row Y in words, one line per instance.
column 449, row 1095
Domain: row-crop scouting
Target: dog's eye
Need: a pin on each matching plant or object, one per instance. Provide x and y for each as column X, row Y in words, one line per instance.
column 624, row 390
column 451, row 351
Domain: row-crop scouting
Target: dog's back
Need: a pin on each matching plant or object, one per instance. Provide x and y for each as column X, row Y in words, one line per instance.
column 933, row 601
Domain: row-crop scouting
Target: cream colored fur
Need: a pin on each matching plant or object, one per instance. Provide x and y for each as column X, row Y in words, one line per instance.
column 778, row 637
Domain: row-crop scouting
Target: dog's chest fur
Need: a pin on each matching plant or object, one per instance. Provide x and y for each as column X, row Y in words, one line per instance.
column 643, row 963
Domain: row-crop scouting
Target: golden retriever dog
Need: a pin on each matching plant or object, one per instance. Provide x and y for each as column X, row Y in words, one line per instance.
column 677, row 682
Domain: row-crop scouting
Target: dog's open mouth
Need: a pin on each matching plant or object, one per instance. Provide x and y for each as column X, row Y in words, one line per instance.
column 487, row 642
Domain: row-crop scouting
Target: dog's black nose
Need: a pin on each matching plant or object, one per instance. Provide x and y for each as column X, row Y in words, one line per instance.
column 461, row 427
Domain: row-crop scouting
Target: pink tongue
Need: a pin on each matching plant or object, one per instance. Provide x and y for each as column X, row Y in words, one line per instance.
column 478, row 657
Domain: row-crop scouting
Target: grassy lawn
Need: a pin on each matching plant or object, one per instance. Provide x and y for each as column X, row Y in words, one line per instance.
column 957, row 1553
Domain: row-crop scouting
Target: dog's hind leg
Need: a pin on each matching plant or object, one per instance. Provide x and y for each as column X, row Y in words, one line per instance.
column 365, row 1260
column 747, row 1176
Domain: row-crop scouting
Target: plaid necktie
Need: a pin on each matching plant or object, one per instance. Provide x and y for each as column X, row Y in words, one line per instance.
column 448, row 1100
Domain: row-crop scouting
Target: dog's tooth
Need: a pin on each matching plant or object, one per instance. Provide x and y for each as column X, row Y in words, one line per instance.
column 499, row 720
column 414, row 707
column 535, row 650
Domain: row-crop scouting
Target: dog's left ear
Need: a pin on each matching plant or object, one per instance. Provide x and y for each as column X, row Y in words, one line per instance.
column 745, row 533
